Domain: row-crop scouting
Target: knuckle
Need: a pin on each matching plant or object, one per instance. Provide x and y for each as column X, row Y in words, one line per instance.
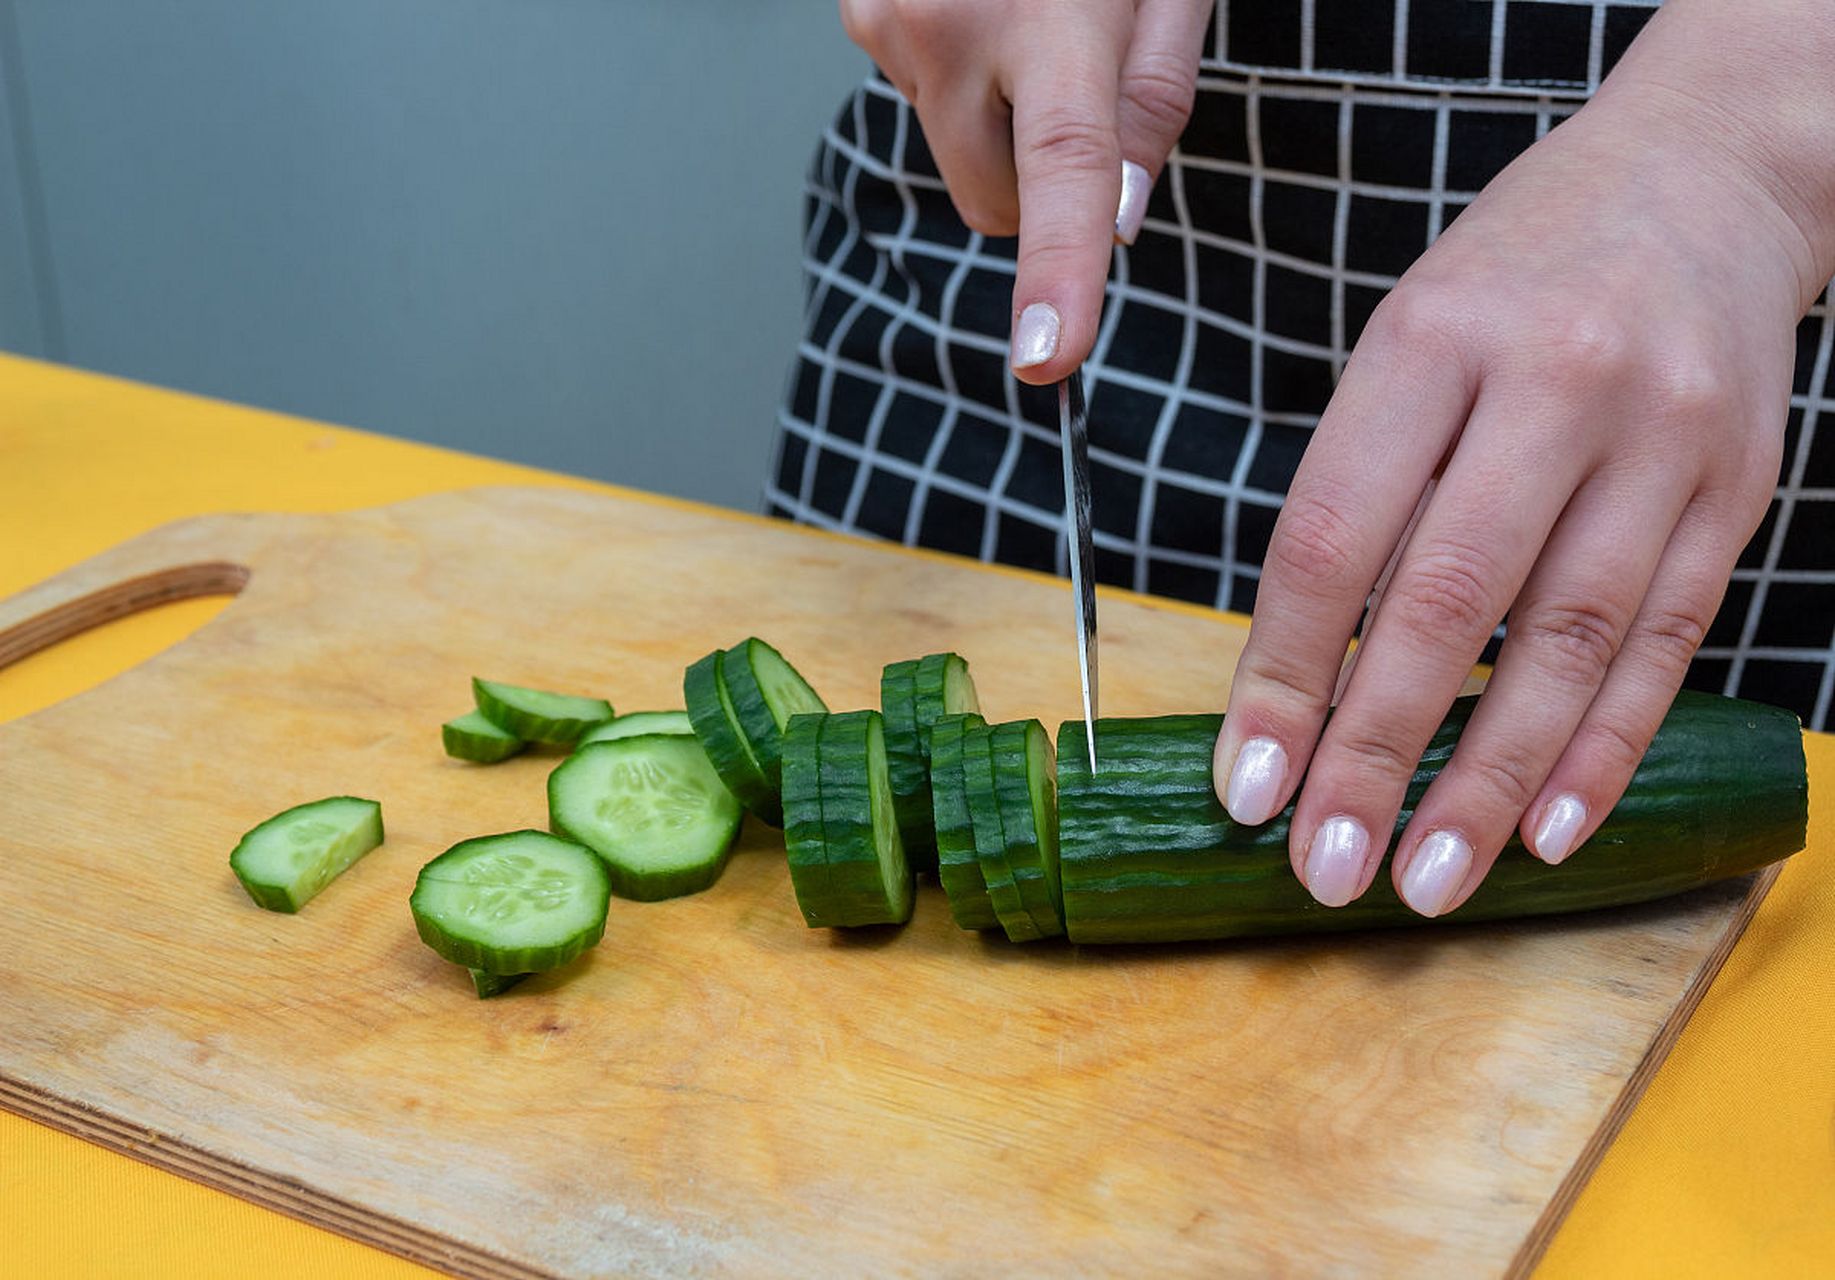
column 1506, row 773
column 1161, row 90
column 1315, row 546
column 1446, row 593
column 1415, row 317
column 1669, row 636
column 1589, row 350
column 1614, row 746
column 1374, row 750
column 1069, row 136
column 1573, row 640
column 1279, row 679
column 1691, row 390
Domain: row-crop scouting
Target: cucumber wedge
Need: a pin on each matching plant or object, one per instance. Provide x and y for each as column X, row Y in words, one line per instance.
column 535, row 715
column 958, row 867
column 991, row 839
column 847, row 865
column 913, row 695
column 1148, row 854
column 633, row 723
column 765, row 691
column 652, row 807
column 1025, row 787
column 716, row 727
column 287, row 860
column 472, row 737
column 522, row 902
column 493, row 984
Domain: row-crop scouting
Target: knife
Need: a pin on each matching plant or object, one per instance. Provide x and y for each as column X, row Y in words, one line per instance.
column 1073, row 425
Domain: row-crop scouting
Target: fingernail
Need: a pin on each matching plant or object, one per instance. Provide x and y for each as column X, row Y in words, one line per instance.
column 1035, row 337
column 1135, row 186
column 1439, row 868
column 1254, row 793
column 1335, row 860
column 1560, row 827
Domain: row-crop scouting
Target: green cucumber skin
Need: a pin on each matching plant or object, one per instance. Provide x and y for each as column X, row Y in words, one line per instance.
column 479, row 741
column 494, row 984
column 273, row 897
column 534, row 728
column 756, row 719
column 633, row 723
column 990, row 837
column 721, row 739
column 505, row 961
column 958, row 866
column 851, row 890
column 931, row 683
column 803, row 840
column 908, row 763
column 1026, row 849
column 1149, row 855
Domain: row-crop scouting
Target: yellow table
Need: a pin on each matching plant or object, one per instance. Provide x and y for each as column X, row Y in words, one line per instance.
column 1727, row 1166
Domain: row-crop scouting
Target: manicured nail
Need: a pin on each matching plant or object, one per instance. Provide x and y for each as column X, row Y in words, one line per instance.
column 1439, row 868
column 1335, row 860
column 1254, row 793
column 1560, row 827
column 1135, row 186
column 1035, row 337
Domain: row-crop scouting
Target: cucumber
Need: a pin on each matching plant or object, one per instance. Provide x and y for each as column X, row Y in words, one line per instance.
column 473, row 737
column 521, row 902
column 535, row 715
column 1026, row 789
column 990, row 837
column 493, row 984
column 1147, row 853
column 765, row 691
column 716, row 727
column 847, row 862
column 958, row 867
column 287, row 860
column 633, row 723
column 652, row 807
column 914, row 695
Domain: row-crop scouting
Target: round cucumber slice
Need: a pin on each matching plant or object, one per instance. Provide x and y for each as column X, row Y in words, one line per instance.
column 716, row 727
column 652, row 807
column 765, row 691
column 285, row 861
column 473, row 737
column 914, row 695
column 991, row 838
column 520, row 902
column 633, row 723
column 535, row 715
column 851, row 869
column 1024, row 765
column 958, row 867
column 803, row 832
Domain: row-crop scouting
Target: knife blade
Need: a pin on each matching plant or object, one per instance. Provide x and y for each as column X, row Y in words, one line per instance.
column 1073, row 425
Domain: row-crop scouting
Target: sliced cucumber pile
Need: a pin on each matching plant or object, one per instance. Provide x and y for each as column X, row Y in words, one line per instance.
column 535, row 715
column 473, row 737
column 634, row 723
column 847, row 860
column 958, row 865
column 740, row 701
column 914, row 695
column 652, row 807
column 287, row 860
column 522, row 902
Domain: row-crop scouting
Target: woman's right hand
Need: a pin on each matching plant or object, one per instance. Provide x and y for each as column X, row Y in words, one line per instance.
column 1050, row 119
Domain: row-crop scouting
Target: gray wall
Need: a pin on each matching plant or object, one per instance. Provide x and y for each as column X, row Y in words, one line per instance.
column 560, row 231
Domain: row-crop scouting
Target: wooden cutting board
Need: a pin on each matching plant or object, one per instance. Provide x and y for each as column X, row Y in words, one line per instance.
column 717, row 1090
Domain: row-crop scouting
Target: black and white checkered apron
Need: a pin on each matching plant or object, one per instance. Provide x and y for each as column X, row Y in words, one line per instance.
column 1332, row 140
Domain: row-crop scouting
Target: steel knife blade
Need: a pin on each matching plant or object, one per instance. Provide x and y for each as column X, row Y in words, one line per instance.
column 1073, row 424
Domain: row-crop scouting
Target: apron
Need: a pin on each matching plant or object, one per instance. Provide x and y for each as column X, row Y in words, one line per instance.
column 1331, row 141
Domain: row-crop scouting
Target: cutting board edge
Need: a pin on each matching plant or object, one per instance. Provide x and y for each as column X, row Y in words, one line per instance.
column 1555, row 1212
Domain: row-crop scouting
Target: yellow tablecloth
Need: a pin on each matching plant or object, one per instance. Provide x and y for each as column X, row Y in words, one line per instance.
column 1727, row 1166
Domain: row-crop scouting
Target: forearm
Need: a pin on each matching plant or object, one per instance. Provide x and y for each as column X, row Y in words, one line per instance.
column 1753, row 81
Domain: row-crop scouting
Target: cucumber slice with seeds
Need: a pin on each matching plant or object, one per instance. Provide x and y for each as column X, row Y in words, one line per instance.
column 914, row 695
column 535, row 715
column 1025, row 788
column 287, row 860
column 633, row 723
column 847, row 866
column 990, row 837
column 958, row 866
column 473, row 737
column 716, row 727
column 521, row 902
column 765, row 691
column 652, row 807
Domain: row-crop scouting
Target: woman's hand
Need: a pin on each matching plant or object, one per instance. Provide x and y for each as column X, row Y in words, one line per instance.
column 1065, row 111
column 1570, row 409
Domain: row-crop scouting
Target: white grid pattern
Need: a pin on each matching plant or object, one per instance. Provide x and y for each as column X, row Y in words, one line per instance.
column 1005, row 495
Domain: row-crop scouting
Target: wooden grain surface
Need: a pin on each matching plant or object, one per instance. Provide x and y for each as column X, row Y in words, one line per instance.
column 716, row 1089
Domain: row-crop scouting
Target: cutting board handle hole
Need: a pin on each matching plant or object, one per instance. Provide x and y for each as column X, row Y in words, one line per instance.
column 118, row 600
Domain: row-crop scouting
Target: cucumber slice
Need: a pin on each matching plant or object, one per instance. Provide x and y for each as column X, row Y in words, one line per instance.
column 765, row 691
column 652, row 807
column 494, row 984
column 287, row 860
column 716, row 727
column 633, row 723
column 914, row 696
column 958, row 867
column 802, row 794
column 535, row 715
column 990, row 837
column 1025, row 788
column 473, row 737
column 521, row 902
column 863, row 876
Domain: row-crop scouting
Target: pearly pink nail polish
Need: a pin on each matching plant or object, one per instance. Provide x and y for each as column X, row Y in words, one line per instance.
column 1035, row 337
column 1440, row 866
column 1135, row 188
column 1560, row 827
column 1254, row 793
column 1334, row 867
